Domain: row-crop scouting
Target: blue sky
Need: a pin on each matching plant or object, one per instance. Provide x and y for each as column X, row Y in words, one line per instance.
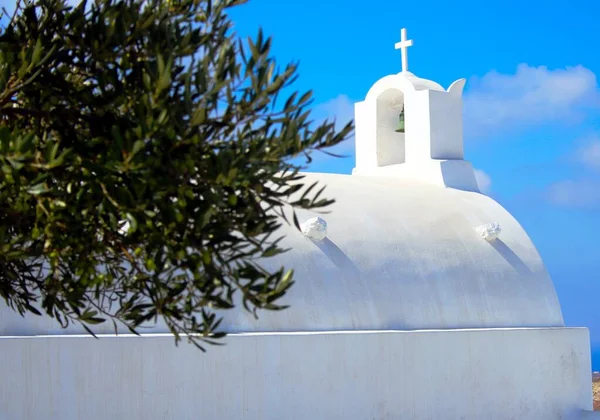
column 532, row 104
column 531, row 107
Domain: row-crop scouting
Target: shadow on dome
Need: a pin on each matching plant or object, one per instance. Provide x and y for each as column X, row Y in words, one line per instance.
column 337, row 256
column 510, row 257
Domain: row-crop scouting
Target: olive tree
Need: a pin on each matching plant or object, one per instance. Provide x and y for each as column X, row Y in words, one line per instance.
column 147, row 160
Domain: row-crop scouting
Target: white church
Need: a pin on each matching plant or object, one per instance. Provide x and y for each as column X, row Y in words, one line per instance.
column 416, row 297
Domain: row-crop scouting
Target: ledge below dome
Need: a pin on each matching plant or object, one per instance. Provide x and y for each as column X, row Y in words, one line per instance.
column 451, row 173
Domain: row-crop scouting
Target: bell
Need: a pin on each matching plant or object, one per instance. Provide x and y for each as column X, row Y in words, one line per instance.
column 400, row 128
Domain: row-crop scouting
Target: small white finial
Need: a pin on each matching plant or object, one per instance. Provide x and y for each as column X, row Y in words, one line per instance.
column 489, row 232
column 403, row 47
column 315, row 228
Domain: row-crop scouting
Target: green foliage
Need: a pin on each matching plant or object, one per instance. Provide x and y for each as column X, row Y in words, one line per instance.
column 145, row 163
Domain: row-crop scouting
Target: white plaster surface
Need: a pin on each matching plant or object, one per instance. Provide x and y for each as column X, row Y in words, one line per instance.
column 454, row 173
column 479, row 374
column 406, row 255
column 398, row 254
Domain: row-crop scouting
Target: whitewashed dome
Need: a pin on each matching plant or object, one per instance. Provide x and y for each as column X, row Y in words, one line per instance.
column 400, row 254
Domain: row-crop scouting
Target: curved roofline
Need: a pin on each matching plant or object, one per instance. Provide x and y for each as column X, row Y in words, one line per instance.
column 403, row 81
column 456, row 88
column 392, row 81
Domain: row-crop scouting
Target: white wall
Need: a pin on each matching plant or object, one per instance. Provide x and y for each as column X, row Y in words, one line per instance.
column 445, row 115
column 470, row 374
column 436, row 127
column 365, row 118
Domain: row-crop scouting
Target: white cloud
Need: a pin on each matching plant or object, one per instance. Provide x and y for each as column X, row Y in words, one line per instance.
column 340, row 108
column 532, row 96
column 580, row 194
column 483, row 181
column 583, row 193
column 589, row 153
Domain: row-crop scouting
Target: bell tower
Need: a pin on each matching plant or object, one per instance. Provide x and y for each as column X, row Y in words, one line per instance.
column 409, row 127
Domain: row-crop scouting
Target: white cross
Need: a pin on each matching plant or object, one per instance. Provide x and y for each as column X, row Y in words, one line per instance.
column 403, row 46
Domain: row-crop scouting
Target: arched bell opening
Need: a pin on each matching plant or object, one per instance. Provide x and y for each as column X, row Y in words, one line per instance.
column 391, row 128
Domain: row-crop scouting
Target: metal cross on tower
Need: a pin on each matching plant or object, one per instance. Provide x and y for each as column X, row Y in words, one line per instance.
column 403, row 46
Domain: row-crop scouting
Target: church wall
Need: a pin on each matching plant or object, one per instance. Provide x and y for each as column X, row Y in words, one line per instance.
column 418, row 130
column 434, row 127
column 364, row 132
column 445, row 114
column 469, row 374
